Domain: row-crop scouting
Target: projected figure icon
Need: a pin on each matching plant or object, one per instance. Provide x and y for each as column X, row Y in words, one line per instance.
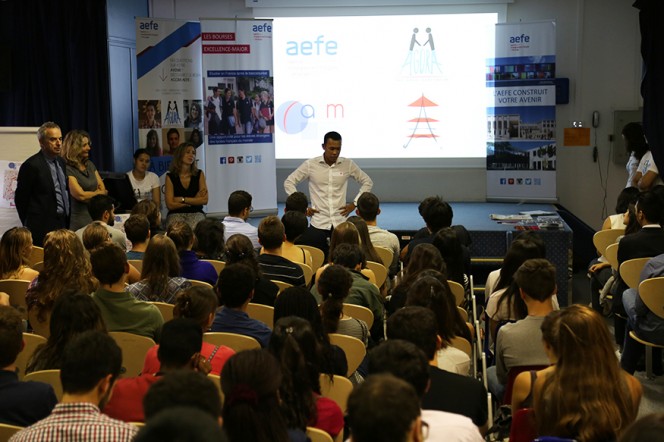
column 421, row 60
column 426, row 131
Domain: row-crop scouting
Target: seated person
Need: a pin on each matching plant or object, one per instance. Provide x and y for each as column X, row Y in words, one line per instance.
column 190, row 266
column 120, row 310
column 235, row 288
column 273, row 265
column 209, row 243
column 313, row 237
column 102, row 208
column 137, row 228
column 239, row 250
column 21, row 403
column 295, row 224
column 368, row 208
column 239, row 209
column 179, row 349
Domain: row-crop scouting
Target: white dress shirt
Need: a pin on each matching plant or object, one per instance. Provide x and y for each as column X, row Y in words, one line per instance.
column 233, row 225
column 327, row 187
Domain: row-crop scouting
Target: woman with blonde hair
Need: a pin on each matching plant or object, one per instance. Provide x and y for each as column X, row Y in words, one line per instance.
column 186, row 190
column 160, row 274
column 82, row 176
column 347, row 233
column 66, row 266
column 15, row 249
column 585, row 395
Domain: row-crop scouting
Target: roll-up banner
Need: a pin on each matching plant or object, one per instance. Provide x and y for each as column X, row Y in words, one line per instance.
column 239, row 111
column 521, row 113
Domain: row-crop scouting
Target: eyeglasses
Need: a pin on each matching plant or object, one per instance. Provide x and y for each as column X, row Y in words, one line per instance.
column 251, row 209
column 425, row 430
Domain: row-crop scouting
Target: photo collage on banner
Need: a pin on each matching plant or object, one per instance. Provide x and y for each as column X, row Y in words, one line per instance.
column 239, row 111
column 521, row 113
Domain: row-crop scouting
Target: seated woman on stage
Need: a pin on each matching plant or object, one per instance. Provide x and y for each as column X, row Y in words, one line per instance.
column 585, row 395
column 186, row 190
column 145, row 183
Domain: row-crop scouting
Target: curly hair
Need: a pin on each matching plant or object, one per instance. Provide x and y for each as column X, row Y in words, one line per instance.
column 72, row 146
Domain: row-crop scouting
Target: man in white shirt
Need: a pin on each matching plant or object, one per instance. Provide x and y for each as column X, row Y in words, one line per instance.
column 239, row 208
column 328, row 180
column 102, row 210
column 368, row 208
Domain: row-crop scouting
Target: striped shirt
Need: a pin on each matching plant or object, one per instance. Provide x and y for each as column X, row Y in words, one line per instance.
column 278, row 268
column 76, row 422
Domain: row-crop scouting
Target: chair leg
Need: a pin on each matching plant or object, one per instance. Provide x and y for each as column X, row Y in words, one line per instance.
column 649, row 374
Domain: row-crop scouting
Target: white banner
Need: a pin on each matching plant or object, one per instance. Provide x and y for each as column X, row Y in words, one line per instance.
column 239, row 111
column 521, row 113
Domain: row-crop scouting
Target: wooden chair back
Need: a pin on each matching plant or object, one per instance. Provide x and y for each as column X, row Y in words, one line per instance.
column 196, row 282
column 630, row 271
column 36, row 255
column 216, row 379
column 462, row 344
column 605, row 238
column 359, row 312
column 263, row 313
column 32, row 341
column 7, row 431
column 282, row 285
column 50, row 377
column 458, row 291
column 386, row 255
column 138, row 263
column 134, row 348
column 380, row 271
column 38, row 266
column 464, row 314
column 651, row 292
column 353, row 348
column 16, row 289
column 316, row 435
column 233, row 340
column 338, row 389
column 308, row 272
column 218, row 265
column 611, row 255
column 165, row 309
column 317, row 256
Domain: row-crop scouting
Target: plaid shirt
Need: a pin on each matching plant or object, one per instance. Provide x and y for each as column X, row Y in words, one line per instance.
column 141, row 291
column 77, row 422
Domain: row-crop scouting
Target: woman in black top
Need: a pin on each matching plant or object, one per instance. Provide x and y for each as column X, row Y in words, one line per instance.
column 186, row 190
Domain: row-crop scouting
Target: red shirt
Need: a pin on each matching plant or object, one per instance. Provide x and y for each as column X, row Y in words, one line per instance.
column 330, row 417
column 126, row 402
column 152, row 365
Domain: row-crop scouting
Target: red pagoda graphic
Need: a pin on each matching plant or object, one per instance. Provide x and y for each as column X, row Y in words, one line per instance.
column 422, row 127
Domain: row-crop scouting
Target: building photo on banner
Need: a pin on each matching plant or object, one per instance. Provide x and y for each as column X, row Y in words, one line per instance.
column 521, row 113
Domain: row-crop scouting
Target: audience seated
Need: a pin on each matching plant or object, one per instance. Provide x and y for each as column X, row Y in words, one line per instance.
column 21, row 403
column 190, row 266
column 209, row 243
column 585, row 395
column 150, row 209
column 365, row 239
column 199, row 304
column 250, row 382
column 15, row 249
column 137, row 229
column 423, row 257
column 519, row 343
column 235, row 288
column 101, row 208
column 457, row 262
column 297, row 301
column 94, row 235
column 406, row 361
column 418, row 325
column 90, row 365
column 297, row 202
column 179, row 349
column 295, row 224
column 181, row 423
column 275, row 267
column 73, row 313
column 295, row 345
column 368, row 208
column 239, row 209
column 160, row 273
column 239, row 250
column 120, row 310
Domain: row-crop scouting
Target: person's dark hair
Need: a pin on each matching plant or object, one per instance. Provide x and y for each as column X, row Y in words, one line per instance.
column 11, row 335
column 182, row 423
column 368, row 206
column 382, row 408
column 348, row 256
column 109, row 263
column 417, row 325
column 150, row 210
column 635, row 140
column 429, row 292
column 250, row 382
column 181, row 338
column 626, row 197
column 238, row 201
column 235, row 284
column 196, row 303
column 99, row 204
column 94, row 235
column 137, row 228
column 209, row 235
column 366, row 245
column 402, row 359
column 182, row 388
column 271, row 233
column 295, row 224
column 459, row 325
column 537, row 278
column 423, row 257
column 240, row 250
column 447, row 242
column 160, row 263
column 646, row 429
column 294, row 344
column 333, row 285
column 335, row 136
column 139, row 152
column 437, row 214
column 73, row 313
column 648, row 203
column 297, row 202
column 344, row 233
column 87, row 359
column 632, row 225
column 181, row 234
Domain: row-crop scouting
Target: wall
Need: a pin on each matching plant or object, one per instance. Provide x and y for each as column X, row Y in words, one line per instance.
column 597, row 49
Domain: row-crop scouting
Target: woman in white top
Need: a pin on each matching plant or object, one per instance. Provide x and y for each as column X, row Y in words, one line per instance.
column 636, row 146
column 145, row 184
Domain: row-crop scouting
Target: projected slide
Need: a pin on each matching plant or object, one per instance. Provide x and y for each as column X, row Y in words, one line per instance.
column 393, row 86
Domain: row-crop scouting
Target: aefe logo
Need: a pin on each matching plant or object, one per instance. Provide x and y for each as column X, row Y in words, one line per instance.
column 265, row 27
column 315, row 47
column 520, row 39
column 148, row 26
